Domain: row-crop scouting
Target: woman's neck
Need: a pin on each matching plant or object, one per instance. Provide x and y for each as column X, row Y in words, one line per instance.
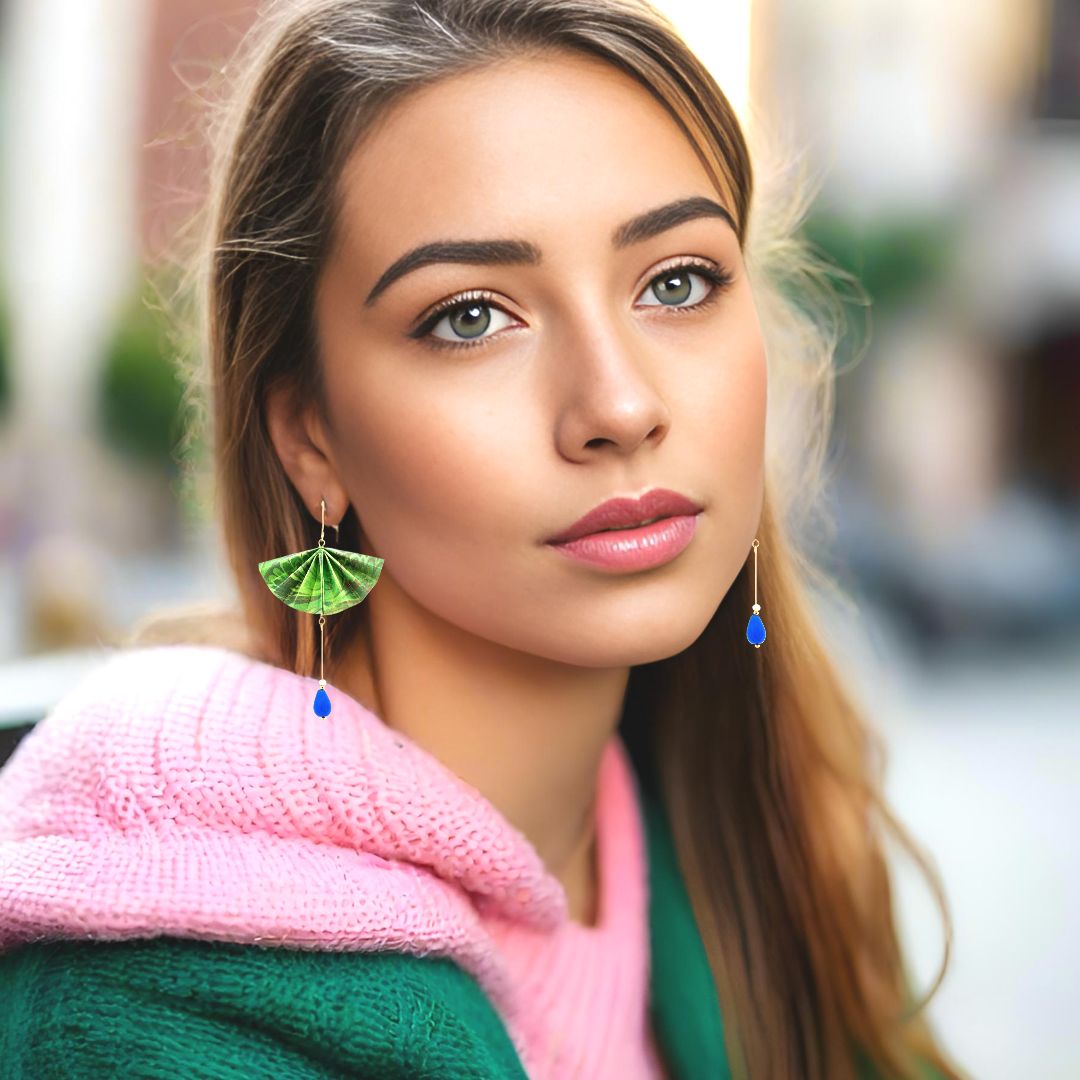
column 526, row 732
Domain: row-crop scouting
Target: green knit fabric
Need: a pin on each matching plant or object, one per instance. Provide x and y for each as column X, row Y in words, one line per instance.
column 183, row 1007
column 683, row 997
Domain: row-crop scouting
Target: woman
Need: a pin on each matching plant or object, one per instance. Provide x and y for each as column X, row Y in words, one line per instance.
column 473, row 268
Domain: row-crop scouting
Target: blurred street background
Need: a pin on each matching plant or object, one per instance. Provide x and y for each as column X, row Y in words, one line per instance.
column 947, row 139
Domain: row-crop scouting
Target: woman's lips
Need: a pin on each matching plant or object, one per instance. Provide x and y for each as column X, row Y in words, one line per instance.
column 633, row 549
column 623, row 511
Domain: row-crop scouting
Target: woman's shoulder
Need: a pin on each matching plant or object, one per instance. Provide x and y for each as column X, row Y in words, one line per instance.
column 117, row 711
column 128, row 688
column 108, row 730
column 174, row 1006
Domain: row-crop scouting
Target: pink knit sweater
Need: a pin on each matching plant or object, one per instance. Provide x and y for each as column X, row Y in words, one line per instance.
column 190, row 790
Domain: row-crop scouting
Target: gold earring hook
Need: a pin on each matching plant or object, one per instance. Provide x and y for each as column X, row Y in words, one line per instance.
column 322, row 530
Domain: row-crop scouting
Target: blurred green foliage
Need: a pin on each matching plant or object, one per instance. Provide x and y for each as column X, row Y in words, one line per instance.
column 141, row 403
column 896, row 259
column 877, row 268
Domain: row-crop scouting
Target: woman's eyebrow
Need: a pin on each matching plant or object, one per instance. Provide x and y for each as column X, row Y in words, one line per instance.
column 525, row 253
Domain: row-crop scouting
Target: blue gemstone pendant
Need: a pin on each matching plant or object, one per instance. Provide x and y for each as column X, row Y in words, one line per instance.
column 755, row 628
column 322, row 700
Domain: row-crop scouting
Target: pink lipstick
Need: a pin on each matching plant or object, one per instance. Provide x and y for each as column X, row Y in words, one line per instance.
column 620, row 534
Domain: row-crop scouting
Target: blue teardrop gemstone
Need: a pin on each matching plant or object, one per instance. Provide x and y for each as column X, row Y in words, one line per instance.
column 322, row 703
column 755, row 630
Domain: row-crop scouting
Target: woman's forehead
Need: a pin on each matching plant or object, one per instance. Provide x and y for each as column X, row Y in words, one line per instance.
column 539, row 149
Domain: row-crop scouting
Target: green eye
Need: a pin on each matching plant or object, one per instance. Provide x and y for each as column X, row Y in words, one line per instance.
column 675, row 285
column 468, row 320
column 468, row 316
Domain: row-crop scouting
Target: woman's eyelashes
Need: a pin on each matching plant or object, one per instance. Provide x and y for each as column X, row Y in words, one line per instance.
column 468, row 315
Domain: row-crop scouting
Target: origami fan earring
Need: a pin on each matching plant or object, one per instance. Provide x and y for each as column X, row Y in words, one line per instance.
column 755, row 628
column 323, row 581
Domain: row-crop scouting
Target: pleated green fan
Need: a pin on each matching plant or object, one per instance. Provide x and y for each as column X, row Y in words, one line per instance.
column 321, row 580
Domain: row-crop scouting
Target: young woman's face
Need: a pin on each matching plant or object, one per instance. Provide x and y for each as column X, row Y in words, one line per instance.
column 465, row 439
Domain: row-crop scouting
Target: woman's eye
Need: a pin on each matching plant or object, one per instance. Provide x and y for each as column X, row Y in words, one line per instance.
column 675, row 286
column 468, row 319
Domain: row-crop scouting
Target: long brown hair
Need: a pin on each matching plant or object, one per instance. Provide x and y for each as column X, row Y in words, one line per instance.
column 771, row 778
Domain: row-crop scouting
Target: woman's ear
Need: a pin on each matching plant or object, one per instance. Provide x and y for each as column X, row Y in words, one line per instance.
column 299, row 438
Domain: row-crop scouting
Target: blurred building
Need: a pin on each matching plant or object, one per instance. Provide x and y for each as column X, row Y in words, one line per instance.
column 947, row 140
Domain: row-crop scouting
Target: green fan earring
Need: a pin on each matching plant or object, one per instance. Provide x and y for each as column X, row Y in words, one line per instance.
column 323, row 581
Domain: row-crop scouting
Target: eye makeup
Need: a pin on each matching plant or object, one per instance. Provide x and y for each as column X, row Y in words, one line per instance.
column 718, row 277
